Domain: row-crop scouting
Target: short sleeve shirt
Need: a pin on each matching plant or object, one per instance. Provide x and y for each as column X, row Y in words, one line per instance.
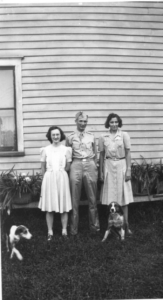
column 114, row 147
column 82, row 144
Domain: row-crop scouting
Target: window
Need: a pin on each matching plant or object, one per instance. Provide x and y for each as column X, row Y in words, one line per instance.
column 8, row 138
column 11, row 123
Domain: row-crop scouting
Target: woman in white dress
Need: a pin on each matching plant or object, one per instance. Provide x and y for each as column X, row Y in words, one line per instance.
column 55, row 192
column 115, row 165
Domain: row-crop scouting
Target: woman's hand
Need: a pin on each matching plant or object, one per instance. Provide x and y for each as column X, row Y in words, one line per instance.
column 128, row 175
column 101, row 177
column 67, row 167
column 101, row 167
column 128, row 164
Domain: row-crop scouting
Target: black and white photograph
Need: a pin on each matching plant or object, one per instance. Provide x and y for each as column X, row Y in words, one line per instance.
column 81, row 150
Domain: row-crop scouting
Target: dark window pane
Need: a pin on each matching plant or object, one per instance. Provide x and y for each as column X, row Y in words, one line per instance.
column 8, row 140
column 6, row 88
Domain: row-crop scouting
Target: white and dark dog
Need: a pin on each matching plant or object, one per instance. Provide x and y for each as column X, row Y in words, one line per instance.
column 14, row 234
column 115, row 221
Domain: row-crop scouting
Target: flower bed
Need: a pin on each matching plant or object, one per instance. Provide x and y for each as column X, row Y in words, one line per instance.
column 147, row 178
column 19, row 188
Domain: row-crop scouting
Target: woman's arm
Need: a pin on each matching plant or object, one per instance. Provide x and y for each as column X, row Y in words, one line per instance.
column 43, row 168
column 95, row 151
column 102, row 154
column 67, row 168
column 128, row 165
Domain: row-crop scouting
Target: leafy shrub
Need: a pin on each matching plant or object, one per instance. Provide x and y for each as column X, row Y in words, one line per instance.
column 15, row 185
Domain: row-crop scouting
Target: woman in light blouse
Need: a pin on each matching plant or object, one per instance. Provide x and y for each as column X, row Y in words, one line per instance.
column 115, row 166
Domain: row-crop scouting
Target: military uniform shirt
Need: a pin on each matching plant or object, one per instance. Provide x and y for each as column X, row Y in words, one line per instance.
column 82, row 144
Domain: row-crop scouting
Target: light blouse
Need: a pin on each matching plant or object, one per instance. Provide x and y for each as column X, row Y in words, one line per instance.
column 56, row 157
column 114, row 147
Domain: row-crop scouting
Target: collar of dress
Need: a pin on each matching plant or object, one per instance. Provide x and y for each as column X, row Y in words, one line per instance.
column 118, row 133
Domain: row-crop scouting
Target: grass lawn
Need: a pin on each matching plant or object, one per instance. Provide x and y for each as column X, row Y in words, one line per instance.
column 84, row 268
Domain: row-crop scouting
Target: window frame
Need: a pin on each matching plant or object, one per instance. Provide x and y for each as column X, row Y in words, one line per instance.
column 16, row 62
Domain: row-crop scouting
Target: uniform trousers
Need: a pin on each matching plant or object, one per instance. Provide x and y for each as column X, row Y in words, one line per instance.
column 86, row 172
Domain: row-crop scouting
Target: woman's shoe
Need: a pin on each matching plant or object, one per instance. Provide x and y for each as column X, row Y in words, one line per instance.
column 128, row 231
column 65, row 236
column 49, row 237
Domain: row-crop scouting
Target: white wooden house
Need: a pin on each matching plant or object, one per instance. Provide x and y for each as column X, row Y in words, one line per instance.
column 58, row 59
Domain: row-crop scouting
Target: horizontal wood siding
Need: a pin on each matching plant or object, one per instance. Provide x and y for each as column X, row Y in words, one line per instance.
column 95, row 57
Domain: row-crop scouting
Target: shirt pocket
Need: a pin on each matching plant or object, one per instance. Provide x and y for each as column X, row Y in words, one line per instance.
column 76, row 146
column 119, row 143
column 89, row 145
column 106, row 143
column 109, row 145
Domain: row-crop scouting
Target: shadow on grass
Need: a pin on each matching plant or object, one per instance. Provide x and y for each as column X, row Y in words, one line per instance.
column 83, row 268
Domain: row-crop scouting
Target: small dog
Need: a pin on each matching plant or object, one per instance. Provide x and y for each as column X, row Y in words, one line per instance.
column 115, row 221
column 14, row 234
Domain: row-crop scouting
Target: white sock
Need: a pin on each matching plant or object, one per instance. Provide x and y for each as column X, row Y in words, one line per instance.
column 50, row 232
column 64, row 231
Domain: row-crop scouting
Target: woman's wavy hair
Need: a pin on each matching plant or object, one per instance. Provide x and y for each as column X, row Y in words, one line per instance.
column 111, row 116
column 48, row 135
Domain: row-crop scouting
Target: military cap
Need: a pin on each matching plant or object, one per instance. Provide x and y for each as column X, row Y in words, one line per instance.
column 80, row 114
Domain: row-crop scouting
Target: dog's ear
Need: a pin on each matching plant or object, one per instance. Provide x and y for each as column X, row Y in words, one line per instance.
column 108, row 209
column 119, row 209
column 19, row 230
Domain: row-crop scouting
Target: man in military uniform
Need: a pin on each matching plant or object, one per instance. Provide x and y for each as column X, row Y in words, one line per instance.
column 83, row 169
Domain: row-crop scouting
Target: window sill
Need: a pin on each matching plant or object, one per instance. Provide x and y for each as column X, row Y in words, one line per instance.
column 11, row 154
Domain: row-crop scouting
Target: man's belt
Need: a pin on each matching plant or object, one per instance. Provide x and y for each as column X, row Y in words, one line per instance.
column 83, row 159
column 115, row 158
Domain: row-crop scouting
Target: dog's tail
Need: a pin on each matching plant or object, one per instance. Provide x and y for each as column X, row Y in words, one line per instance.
column 17, row 253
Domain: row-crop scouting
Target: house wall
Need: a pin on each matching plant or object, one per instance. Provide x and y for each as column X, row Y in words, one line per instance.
column 100, row 58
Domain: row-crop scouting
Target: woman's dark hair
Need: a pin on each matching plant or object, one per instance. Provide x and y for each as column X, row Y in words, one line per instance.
column 111, row 116
column 48, row 135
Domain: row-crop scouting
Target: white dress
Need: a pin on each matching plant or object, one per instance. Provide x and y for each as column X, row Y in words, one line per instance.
column 55, row 190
